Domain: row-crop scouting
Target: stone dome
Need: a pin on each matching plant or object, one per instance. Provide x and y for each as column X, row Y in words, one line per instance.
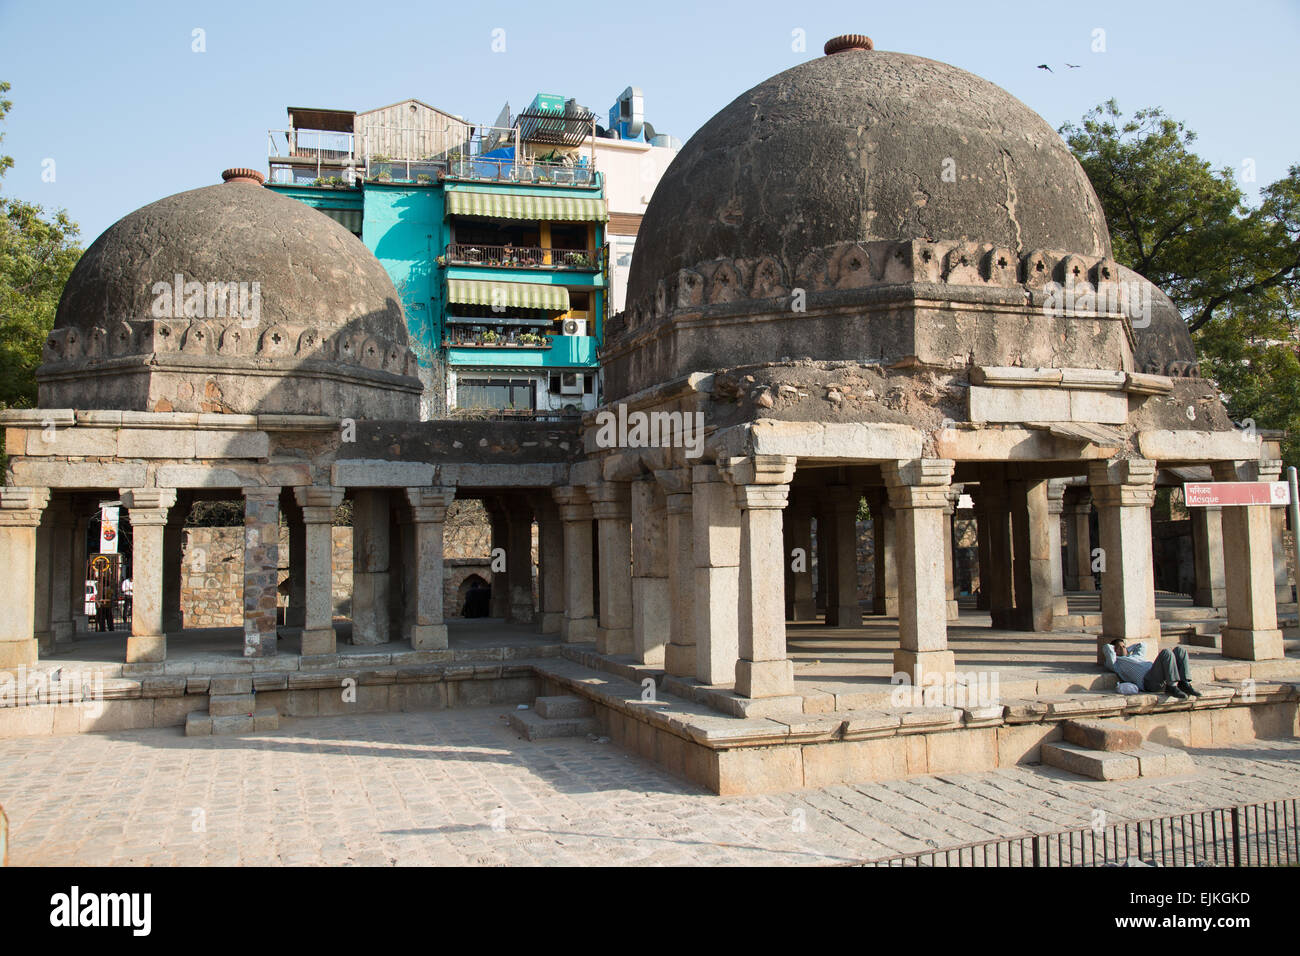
column 865, row 145
column 230, row 298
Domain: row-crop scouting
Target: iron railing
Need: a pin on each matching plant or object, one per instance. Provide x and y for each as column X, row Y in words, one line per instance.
column 1256, row 834
column 523, row 257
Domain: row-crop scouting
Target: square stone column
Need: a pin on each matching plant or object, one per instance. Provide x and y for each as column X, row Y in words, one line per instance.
column 1078, row 526
column 918, row 492
column 611, row 504
column 1251, row 632
column 371, row 553
column 843, row 572
column 296, row 611
column 1031, row 555
column 20, row 514
column 885, row 586
column 1123, row 492
column 519, row 560
column 679, row 521
column 550, row 563
column 825, row 538
column 147, row 508
column 43, row 579
column 996, row 506
column 983, row 561
column 949, row 577
column 173, row 560
column 318, row 504
column 1207, row 554
column 762, row 485
column 1055, row 507
column 424, row 623
column 499, row 522
column 575, row 515
column 261, row 570
column 63, row 526
column 800, row 603
column 651, row 606
column 716, row 530
column 1281, row 579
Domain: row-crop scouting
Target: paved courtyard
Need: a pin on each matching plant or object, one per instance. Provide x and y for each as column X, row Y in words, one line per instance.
column 457, row 787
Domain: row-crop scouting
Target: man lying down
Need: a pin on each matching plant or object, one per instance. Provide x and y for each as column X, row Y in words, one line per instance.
column 1167, row 674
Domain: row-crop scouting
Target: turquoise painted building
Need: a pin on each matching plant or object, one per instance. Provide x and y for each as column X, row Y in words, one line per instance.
column 495, row 240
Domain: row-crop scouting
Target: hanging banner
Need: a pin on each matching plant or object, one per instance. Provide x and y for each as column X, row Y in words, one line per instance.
column 108, row 529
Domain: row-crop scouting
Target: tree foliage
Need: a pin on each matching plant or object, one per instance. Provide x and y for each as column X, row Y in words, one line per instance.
column 37, row 253
column 1232, row 269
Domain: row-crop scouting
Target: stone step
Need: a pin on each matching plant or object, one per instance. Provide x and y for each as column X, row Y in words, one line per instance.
column 534, row 726
column 1102, row 734
column 1193, row 613
column 231, row 705
column 553, row 708
column 203, row 724
column 1149, row 760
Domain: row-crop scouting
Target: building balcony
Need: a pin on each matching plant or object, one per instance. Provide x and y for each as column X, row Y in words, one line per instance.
column 523, row 257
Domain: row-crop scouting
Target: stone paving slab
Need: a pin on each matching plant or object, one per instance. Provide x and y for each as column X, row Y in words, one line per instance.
column 458, row 787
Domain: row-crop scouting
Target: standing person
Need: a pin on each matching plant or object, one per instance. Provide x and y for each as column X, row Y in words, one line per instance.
column 104, row 603
column 1167, row 674
column 128, row 591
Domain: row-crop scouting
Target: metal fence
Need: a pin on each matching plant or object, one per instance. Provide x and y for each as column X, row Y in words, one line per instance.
column 1256, row 834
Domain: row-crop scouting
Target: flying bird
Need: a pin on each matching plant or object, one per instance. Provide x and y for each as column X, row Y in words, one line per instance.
column 1073, row 66
column 1044, row 66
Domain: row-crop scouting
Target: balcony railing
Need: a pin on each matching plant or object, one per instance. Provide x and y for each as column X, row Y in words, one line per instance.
column 311, row 144
column 522, row 257
column 506, row 170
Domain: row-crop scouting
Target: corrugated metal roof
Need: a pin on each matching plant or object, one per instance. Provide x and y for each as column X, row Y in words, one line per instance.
column 518, row 295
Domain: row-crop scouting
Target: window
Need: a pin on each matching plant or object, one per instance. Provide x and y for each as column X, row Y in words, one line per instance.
column 515, row 394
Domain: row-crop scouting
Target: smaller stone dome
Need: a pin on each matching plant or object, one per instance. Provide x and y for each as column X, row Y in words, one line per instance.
column 231, row 298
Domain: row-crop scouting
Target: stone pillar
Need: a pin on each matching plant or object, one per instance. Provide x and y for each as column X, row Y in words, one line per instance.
column 825, row 535
column 519, row 561
column 1078, row 559
column 43, row 580
column 147, row 508
column 798, row 527
column 982, row 557
column 1281, row 579
column 1055, row 507
column 173, row 560
column 1123, row 492
column 499, row 602
column 1251, row 632
column 296, row 611
column 680, row 655
column 885, row 591
column 847, row 611
column 651, row 606
column 1031, row 550
column 261, row 569
column 918, row 493
column 63, row 527
column 371, row 548
column 763, row 668
column 1207, row 554
column 997, row 520
column 550, row 563
column 612, row 506
column 949, row 578
column 575, row 514
column 20, row 514
column 716, row 531
column 425, row 627
column 318, row 505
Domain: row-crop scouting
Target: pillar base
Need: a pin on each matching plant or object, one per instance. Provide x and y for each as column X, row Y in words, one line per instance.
column 63, row 631
column 428, row 637
column 954, row 610
column 295, row 616
column 261, row 645
column 1004, row 618
column 679, row 660
column 19, row 653
column 552, row 622
column 888, row 607
column 143, row 649
column 920, row 664
column 847, row 616
column 805, row 611
column 1247, row 644
column 319, row 641
column 764, row 678
column 578, row 630
column 521, row 614
column 614, row 640
column 1210, row 597
column 1060, row 606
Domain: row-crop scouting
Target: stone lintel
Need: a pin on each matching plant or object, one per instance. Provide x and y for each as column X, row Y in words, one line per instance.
column 1192, row 446
column 379, row 473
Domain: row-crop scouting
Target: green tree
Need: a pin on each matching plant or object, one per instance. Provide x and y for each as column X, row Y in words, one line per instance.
column 37, row 253
column 1233, row 270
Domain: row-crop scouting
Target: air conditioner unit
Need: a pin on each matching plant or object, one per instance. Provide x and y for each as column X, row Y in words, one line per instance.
column 574, row 327
column 570, row 383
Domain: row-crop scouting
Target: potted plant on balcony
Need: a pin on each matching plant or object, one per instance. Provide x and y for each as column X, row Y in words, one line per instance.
column 423, row 179
column 578, row 259
column 490, row 338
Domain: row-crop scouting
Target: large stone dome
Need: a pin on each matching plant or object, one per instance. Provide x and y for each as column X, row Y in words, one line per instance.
column 230, row 298
column 865, row 145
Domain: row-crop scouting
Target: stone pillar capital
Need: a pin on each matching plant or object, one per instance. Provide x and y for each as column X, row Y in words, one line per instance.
column 1266, row 469
column 759, row 469
column 611, row 500
column 574, row 503
column 1055, row 497
column 761, row 497
column 318, row 502
column 918, row 483
column 148, row 506
column 674, row 481
column 430, row 503
column 1135, row 472
column 22, row 507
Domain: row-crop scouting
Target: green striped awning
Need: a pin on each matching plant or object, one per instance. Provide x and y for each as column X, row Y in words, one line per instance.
column 514, row 206
column 517, row 295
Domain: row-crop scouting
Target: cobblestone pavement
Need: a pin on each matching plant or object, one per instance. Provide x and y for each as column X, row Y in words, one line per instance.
column 457, row 787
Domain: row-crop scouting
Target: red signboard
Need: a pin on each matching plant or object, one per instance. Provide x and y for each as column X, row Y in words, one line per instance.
column 1227, row 493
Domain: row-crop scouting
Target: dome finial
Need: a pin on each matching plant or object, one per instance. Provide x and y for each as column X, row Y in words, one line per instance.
column 848, row 41
column 242, row 175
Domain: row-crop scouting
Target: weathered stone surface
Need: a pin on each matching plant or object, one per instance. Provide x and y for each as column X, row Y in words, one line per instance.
column 1097, row 764
column 1102, row 734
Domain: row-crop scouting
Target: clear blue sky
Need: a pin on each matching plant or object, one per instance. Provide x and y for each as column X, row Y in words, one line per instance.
column 113, row 93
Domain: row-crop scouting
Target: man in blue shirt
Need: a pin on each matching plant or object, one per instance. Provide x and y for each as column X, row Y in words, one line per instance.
column 1167, row 674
